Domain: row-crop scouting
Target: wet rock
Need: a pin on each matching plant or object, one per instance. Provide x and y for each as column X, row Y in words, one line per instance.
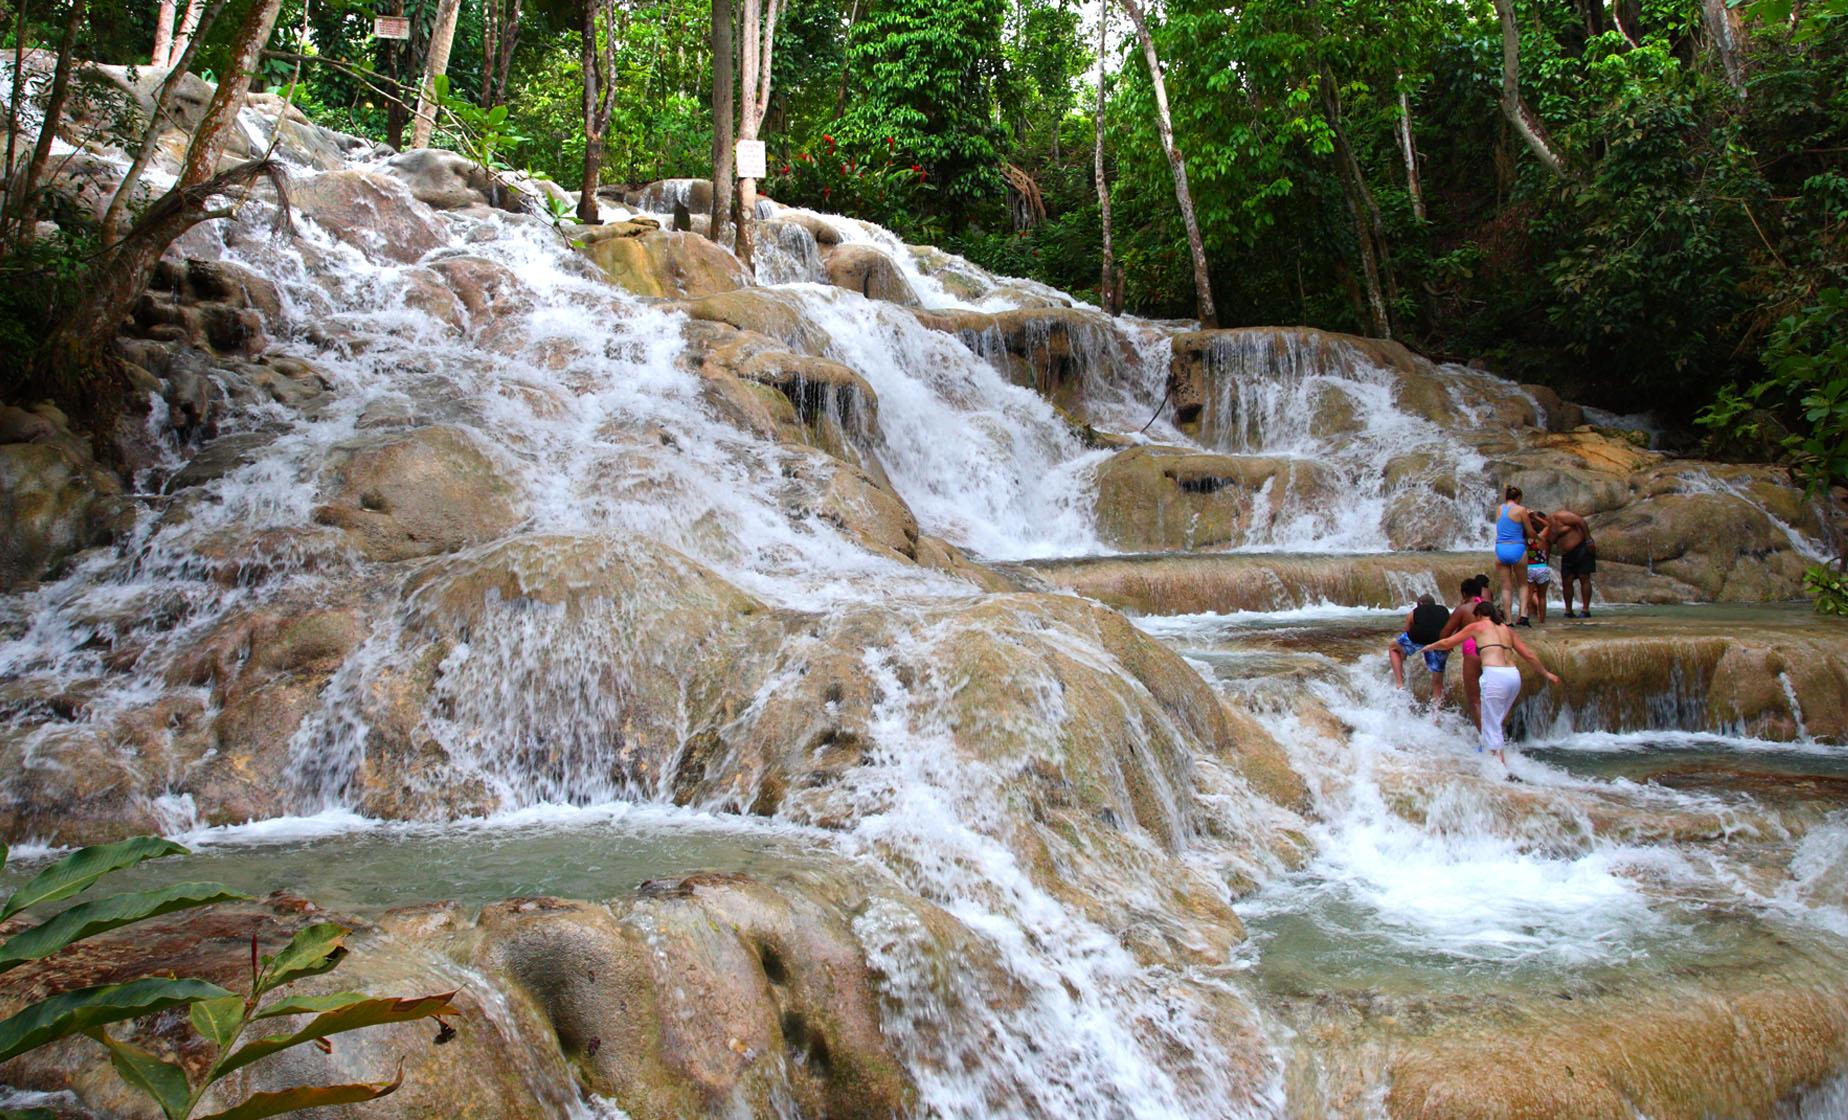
column 766, row 312
column 1059, row 353
column 370, row 211
column 660, row 196
column 1726, row 547
column 444, row 180
column 864, row 269
column 1154, row 498
column 1258, row 582
column 486, row 289
column 54, row 502
column 428, row 491
column 659, row 263
column 825, row 233
column 703, row 994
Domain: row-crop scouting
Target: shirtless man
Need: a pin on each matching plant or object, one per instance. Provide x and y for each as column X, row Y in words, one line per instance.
column 1463, row 614
column 1568, row 537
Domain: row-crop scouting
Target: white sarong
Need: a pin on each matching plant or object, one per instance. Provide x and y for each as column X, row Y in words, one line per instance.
column 1501, row 687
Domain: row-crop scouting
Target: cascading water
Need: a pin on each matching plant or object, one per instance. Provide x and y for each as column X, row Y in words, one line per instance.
column 676, row 637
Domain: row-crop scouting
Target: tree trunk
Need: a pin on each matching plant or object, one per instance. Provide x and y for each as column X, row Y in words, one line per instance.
column 593, row 96
column 27, row 206
column 1723, row 27
column 163, row 36
column 724, row 116
column 1410, row 151
column 749, row 47
column 189, row 27
column 1203, row 289
column 840, row 93
column 1526, row 124
column 80, row 340
column 163, row 111
column 1369, row 229
column 442, row 38
column 1105, row 297
column 757, row 37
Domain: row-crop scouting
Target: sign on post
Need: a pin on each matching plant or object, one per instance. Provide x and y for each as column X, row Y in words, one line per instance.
column 391, row 27
column 750, row 159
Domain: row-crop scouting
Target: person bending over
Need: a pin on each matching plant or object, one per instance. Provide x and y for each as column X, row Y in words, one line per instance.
column 1497, row 645
column 1568, row 536
column 1423, row 625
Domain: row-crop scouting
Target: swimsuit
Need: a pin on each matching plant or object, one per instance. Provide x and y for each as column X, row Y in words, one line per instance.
column 1510, row 539
column 1580, row 561
column 1469, row 644
column 1435, row 659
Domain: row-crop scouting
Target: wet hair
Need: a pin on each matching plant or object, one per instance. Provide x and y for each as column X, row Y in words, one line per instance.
column 1512, row 493
column 1482, row 582
column 1490, row 611
column 1426, row 601
column 1470, row 586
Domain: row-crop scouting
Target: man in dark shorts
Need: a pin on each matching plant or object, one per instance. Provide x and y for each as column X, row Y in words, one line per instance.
column 1462, row 615
column 1422, row 627
column 1568, row 537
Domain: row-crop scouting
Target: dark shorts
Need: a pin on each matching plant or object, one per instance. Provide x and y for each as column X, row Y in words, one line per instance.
column 1580, row 561
column 1434, row 659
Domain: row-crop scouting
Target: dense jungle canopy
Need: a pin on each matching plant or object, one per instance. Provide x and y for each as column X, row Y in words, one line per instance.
column 1664, row 232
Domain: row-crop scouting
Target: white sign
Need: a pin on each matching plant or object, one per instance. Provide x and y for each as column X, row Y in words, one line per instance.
column 751, row 159
column 391, row 27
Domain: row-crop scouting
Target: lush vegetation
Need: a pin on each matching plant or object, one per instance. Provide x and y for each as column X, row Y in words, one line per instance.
column 226, row 1021
column 1669, row 237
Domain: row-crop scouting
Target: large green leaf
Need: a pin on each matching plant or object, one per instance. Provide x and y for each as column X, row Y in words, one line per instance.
column 259, row 1105
column 161, row 1080
column 69, row 1012
column 350, row 1017
column 77, row 871
column 310, row 952
column 88, row 919
column 217, row 1020
column 302, row 1005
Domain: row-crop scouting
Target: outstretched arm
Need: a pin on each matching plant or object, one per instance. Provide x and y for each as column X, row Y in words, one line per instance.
column 1520, row 647
column 1453, row 641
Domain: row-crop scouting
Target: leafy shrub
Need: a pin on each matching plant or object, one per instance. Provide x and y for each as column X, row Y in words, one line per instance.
column 219, row 1016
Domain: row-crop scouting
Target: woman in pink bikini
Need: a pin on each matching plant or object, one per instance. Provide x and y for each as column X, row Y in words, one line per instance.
column 1461, row 616
column 1497, row 646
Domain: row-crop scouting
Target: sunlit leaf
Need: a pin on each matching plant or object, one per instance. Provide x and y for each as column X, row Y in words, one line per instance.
column 161, row 1080
column 351, row 1017
column 259, row 1105
column 303, row 1005
column 217, row 1020
column 77, row 871
column 310, row 952
column 70, row 1012
column 91, row 918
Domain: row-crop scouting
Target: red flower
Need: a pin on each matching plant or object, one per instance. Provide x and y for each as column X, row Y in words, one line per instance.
column 785, row 170
column 826, row 191
column 888, row 143
column 804, row 157
column 828, row 138
column 843, row 169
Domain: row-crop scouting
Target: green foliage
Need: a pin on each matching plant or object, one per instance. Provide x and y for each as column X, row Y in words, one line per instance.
column 220, row 1017
column 878, row 182
column 480, row 134
column 926, row 72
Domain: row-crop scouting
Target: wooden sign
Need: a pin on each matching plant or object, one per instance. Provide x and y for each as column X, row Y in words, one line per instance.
column 750, row 159
column 391, row 27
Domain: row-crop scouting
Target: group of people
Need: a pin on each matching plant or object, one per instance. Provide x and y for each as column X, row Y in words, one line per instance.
column 1525, row 540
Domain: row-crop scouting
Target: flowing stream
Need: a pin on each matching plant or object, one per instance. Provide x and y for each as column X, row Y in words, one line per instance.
column 1630, row 857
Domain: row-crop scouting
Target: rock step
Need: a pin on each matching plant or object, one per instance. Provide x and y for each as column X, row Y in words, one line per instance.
column 1194, row 583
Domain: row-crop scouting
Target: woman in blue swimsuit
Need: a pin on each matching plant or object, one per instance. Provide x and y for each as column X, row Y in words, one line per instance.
column 1511, row 532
